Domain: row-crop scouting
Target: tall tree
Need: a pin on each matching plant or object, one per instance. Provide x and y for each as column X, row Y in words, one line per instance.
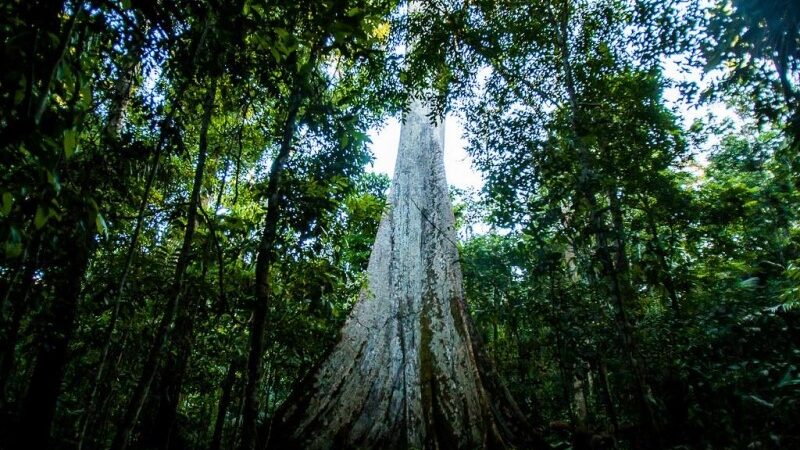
column 409, row 370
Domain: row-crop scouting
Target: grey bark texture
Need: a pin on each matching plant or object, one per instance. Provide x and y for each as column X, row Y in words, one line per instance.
column 408, row 371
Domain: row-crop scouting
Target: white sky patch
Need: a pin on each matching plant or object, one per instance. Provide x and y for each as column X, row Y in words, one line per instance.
column 457, row 163
column 708, row 113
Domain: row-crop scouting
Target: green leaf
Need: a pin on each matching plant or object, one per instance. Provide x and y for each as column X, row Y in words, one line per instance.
column 70, row 142
column 100, row 223
column 52, row 178
column 361, row 138
column 13, row 245
column 275, row 53
column 13, row 249
column 86, row 93
column 788, row 380
column 8, row 202
column 19, row 95
column 42, row 216
column 749, row 283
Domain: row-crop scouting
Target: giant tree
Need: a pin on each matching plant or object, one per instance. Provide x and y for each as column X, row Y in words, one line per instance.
column 409, row 369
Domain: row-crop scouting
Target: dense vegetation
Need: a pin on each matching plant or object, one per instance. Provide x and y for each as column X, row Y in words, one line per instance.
column 185, row 215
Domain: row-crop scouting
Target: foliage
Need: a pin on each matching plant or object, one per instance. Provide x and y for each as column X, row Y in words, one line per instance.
column 637, row 287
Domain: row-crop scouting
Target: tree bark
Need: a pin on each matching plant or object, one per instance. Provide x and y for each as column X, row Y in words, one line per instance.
column 409, row 370
column 606, row 396
column 123, row 88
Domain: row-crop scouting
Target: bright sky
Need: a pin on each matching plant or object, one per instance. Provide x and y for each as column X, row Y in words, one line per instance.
column 458, row 165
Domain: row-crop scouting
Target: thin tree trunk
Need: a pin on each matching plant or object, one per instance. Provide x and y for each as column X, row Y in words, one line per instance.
column 112, row 324
column 18, row 308
column 235, row 437
column 606, row 396
column 173, row 305
column 564, row 373
column 47, row 81
column 171, row 379
column 619, row 290
column 625, row 298
column 666, row 273
column 39, row 408
column 579, row 401
column 265, row 429
column 131, row 250
column 224, row 403
column 123, row 89
column 523, row 360
column 262, row 289
column 102, row 426
column 240, row 144
column 182, row 341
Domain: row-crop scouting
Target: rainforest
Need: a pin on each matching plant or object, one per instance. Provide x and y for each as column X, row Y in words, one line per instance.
column 199, row 250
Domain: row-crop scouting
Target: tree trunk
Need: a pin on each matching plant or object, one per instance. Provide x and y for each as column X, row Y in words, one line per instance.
column 117, row 303
column 171, row 378
column 606, row 396
column 17, row 300
column 67, row 269
column 112, row 127
column 556, row 320
column 262, row 289
column 409, row 371
column 139, row 395
column 123, row 88
column 619, row 289
column 52, row 69
column 222, row 408
column 265, row 429
column 625, row 296
column 666, row 273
